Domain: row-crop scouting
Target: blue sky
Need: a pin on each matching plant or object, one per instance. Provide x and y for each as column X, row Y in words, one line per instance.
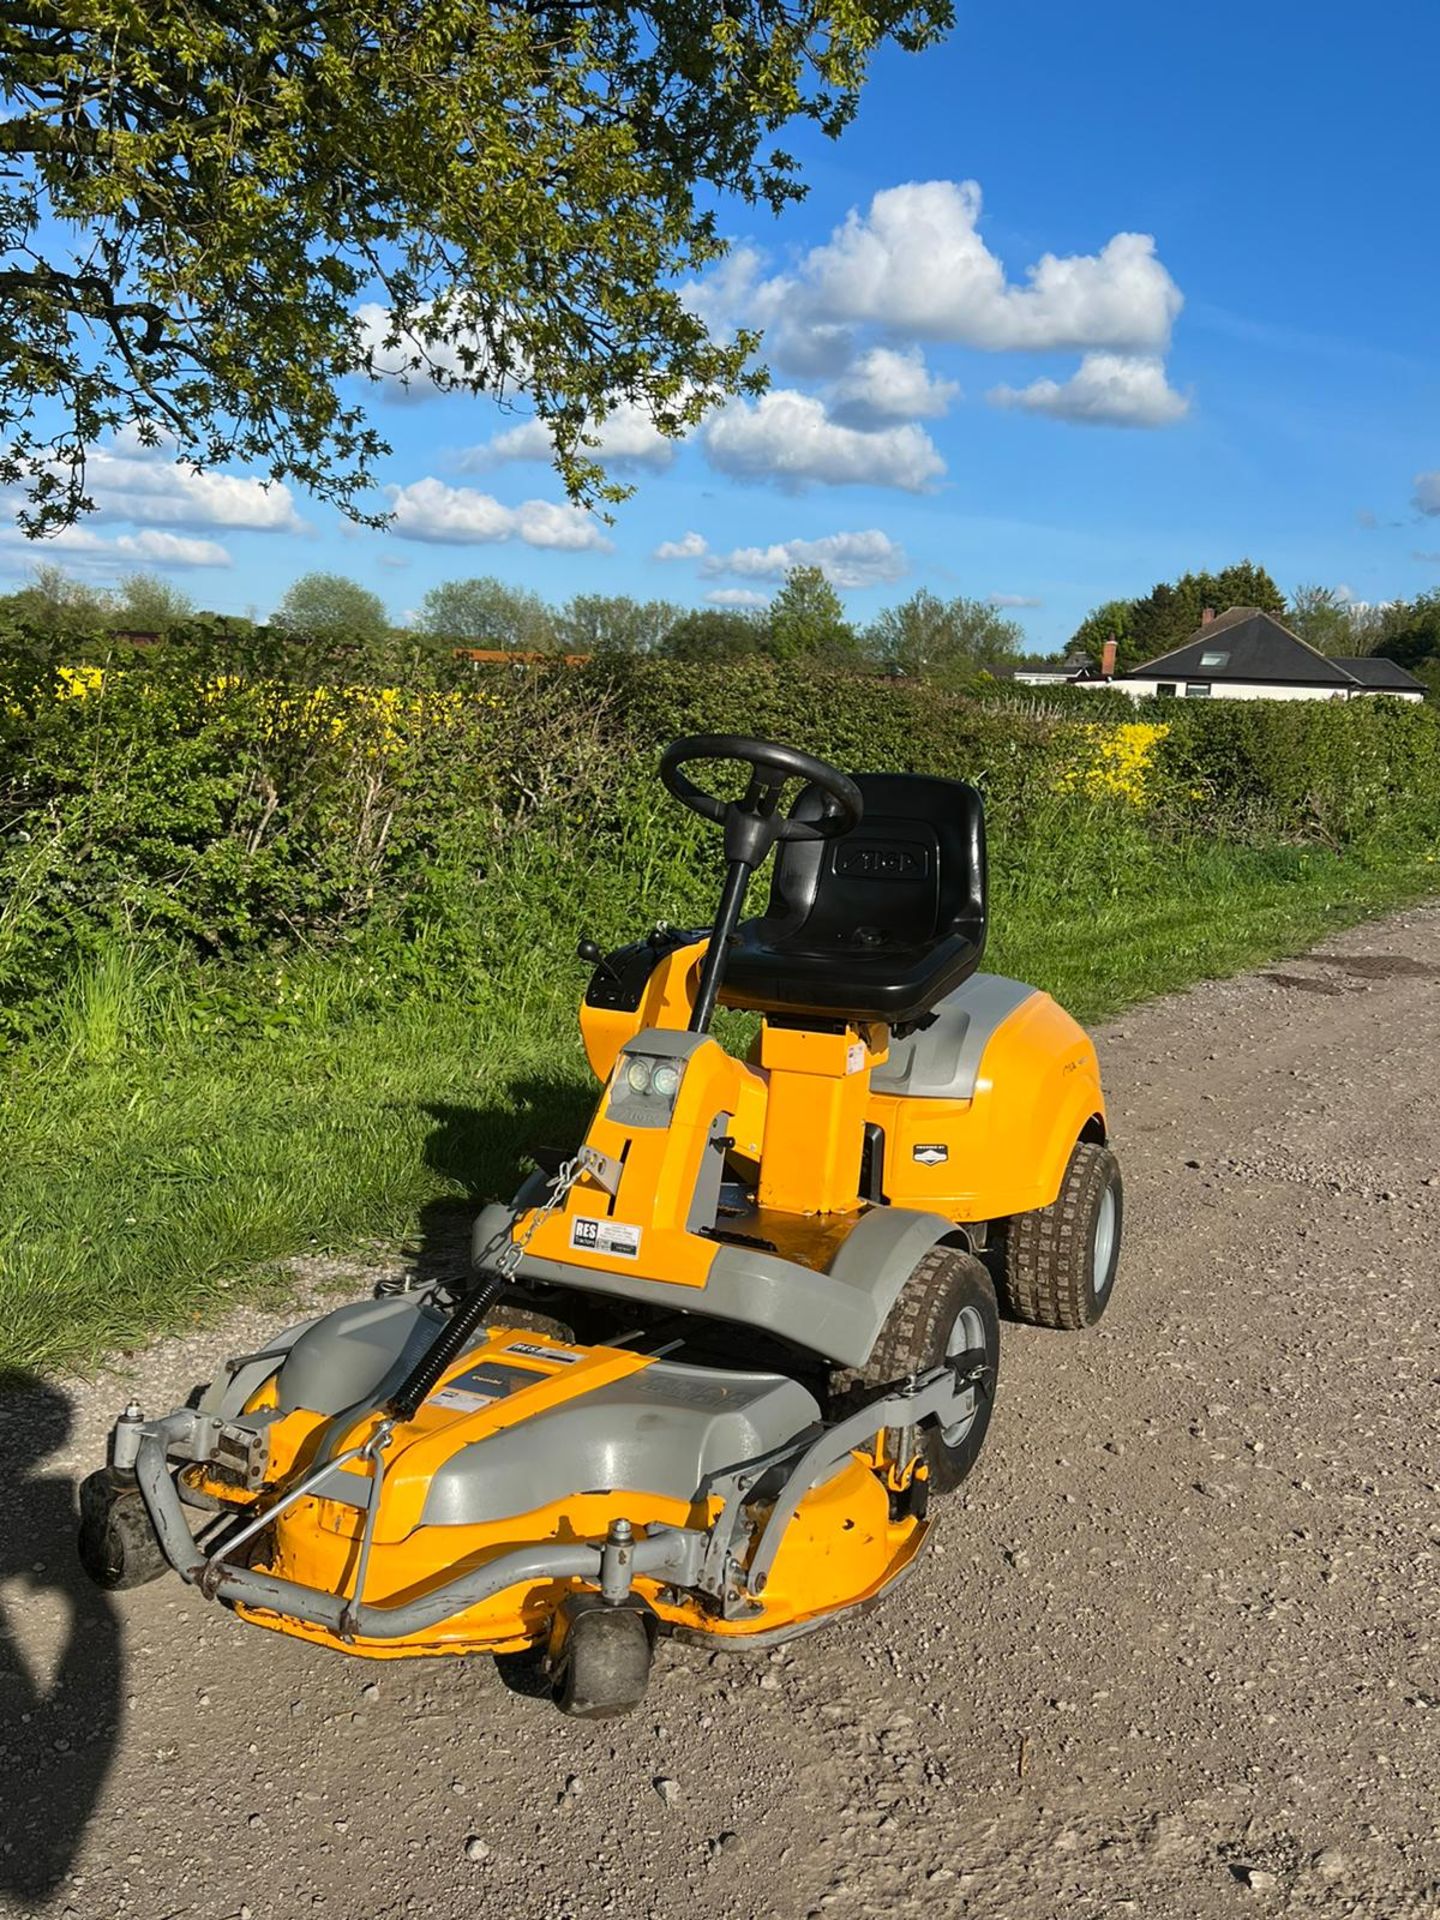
column 1253, row 371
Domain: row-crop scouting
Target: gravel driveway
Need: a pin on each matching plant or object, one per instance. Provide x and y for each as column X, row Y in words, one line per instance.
column 1176, row 1652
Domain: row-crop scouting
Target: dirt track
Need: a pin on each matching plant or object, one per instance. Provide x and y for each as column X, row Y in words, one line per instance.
column 1177, row 1652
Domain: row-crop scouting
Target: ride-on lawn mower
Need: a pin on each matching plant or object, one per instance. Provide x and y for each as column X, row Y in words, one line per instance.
column 713, row 1368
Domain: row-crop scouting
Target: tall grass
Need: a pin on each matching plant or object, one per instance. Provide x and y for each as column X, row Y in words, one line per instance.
column 111, row 1001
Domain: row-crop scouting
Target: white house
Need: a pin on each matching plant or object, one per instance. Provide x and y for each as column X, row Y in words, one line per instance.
column 1241, row 655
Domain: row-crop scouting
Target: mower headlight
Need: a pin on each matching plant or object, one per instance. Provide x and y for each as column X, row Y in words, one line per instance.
column 650, row 1078
column 665, row 1080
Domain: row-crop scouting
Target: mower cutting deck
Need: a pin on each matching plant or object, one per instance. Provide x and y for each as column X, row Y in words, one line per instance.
column 710, row 1371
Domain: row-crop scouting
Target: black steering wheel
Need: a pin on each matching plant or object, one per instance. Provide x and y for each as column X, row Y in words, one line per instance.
column 771, row 765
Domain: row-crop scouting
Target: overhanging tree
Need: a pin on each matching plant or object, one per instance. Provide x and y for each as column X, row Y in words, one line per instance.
column 198, row 201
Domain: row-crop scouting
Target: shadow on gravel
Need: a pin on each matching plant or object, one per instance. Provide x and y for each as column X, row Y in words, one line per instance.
column 1384, row 966
column 1360, row 967
column 1304, row 983
column 487, row 1151
column 60, row 1660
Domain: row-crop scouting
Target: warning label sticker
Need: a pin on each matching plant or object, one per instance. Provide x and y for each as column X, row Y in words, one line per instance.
column 604, row 1236
column 477, row 1386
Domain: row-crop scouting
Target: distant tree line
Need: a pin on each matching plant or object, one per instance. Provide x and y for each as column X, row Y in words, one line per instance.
column 944, row 641
column 947, row 642
column 924, row 637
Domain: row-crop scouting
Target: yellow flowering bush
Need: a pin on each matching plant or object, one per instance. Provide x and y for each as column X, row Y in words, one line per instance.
column 1117, row 761
column 78, row 682
column 383, row 718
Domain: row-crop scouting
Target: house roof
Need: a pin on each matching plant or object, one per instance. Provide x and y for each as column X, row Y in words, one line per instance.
column 1257, row 646
column 1373, row 670
column 1077, row 661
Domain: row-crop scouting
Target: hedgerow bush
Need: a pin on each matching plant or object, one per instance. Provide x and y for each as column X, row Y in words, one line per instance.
column 450, row 829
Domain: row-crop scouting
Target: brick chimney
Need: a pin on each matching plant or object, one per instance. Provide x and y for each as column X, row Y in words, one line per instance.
column 1206, row 616
column 1107, row 658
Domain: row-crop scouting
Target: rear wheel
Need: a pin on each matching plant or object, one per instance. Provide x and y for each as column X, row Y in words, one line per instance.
column 947, row 1307
column 1056, row 1266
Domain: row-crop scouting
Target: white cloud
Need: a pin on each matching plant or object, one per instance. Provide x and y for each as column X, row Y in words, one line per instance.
column 694, row 546
column 887, row 384
column 916, row 264
column 864, row 559
column 725, row 296
column 627, row 436
column 742, row 597
column 130, row 481
column 788, row 437
column 1015, row 600
column 528, row 441
column 428, row 509
column 1427, row 491
column 93, row 552
column 1109, row 389
column 173, row 549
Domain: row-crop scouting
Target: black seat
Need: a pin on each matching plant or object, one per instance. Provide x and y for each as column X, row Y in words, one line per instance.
column 878, row 924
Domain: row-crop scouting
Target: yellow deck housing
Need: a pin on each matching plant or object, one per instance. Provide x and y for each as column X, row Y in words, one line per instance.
column 842, row 1546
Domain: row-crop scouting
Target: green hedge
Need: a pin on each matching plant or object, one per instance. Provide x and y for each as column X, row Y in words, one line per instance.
column 444, row 828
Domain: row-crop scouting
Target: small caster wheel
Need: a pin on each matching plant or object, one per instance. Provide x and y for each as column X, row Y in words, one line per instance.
column 603, row 1666
column 117, row 1543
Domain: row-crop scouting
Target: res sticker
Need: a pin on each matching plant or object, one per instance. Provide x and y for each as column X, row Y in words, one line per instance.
column 604, row 1236
column 854, row 1057
column 564, row 1356
column 931, row 1153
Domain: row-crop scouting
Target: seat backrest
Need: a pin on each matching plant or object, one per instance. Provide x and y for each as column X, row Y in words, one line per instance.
column 912, row 872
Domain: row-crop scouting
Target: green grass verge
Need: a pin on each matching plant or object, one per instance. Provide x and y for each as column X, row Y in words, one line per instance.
column 134, row 1187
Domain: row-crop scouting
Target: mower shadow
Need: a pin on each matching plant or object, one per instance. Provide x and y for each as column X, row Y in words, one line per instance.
column 57, row 1733
column 484, row 1151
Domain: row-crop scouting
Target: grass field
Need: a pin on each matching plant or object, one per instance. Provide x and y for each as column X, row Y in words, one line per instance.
column 152, row 1172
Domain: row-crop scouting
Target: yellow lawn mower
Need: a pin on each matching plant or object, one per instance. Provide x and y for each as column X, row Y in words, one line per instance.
column 714, row 1366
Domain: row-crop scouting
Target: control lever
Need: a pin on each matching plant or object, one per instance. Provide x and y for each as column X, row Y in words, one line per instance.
column 593, row 957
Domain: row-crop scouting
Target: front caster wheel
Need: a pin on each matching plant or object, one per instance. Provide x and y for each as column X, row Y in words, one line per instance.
column 117, row 1543
column 1056, row 1266
column 603, row 1666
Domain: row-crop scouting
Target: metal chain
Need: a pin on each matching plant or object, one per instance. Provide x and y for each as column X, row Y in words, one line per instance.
column 514, row 1253
column 506, row 1263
